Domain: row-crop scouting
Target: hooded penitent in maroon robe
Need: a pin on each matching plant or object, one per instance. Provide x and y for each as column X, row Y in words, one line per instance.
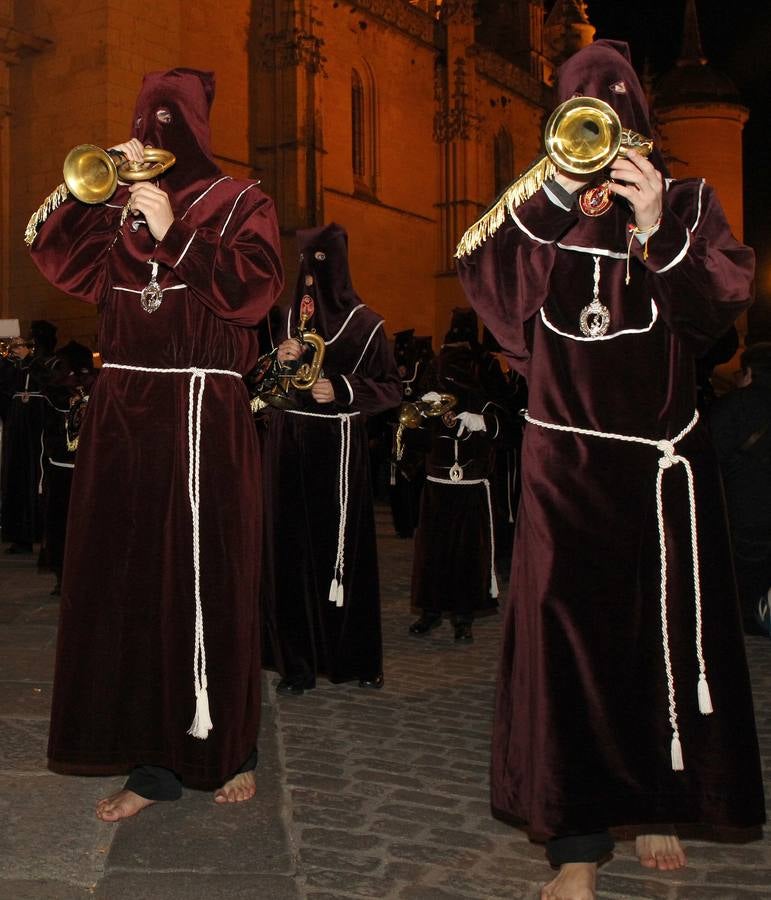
column 166, row 495
column 319, row 519
column 598, row 689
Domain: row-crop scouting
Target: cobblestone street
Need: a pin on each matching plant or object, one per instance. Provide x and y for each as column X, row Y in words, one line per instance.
column 361, row 793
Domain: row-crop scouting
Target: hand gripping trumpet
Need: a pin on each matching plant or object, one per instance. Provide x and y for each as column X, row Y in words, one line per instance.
column 274, row 378
column 91, row 175
column 582, row 136
column 412, row 414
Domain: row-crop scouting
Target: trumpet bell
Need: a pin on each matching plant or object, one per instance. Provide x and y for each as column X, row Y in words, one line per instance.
column 90, row 173
column 583, row 135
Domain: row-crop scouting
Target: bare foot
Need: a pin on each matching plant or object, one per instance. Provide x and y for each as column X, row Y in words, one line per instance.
column 239, row 788
column 660, row 851
column 121, row 805
column 575, row 881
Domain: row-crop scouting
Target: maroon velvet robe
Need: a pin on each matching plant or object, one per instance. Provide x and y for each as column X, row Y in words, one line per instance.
column 124, row 680
column 307, row 634
column 582, row 735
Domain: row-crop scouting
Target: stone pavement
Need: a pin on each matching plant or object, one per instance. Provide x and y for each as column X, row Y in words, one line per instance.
column 360, row 793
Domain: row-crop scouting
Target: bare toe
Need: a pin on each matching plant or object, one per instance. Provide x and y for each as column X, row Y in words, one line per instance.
column 121, row 805
column 660, row 851
column 575, row 881
column 239, row 788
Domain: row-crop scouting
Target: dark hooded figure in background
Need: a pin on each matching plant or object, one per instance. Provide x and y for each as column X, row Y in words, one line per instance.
column 69, row 379
column 741, row 429
column 22, row 375
column 158, row 662
column 406, row 475
column 623, row 696
column 321, row 587
column 453, row 568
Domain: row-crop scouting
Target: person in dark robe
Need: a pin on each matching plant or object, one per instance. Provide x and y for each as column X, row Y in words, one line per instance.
column 321, row 591
column 158, row 659
column 23, row 465
column 508, row 389
column 741, row 429
column 407, row 473
column 623, row 694
column 67, row 385
column 453, row 570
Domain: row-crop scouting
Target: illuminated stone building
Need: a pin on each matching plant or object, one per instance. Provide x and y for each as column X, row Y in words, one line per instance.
column 399, row 119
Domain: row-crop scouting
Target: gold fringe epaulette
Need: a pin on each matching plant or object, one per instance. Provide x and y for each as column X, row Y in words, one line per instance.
column 514, row 195
column 51, row 202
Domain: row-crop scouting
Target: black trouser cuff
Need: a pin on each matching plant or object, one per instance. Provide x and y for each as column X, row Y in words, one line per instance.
column 589, row 848
column 157, row 783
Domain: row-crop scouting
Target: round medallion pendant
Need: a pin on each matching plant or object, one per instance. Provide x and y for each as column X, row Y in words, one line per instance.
column 456, row 473
column 596, row 201
column 151, row 296
column 595, row 320
column 408, row 391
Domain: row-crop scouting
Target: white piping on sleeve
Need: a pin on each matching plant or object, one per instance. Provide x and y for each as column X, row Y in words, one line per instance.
column 233, row 208
column 530, row 234
column 350, row 389
column 366, row 346
column 187, row 247
column 679, row 256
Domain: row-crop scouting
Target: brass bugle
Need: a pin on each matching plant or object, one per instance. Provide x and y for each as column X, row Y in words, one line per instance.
column 92, row 174
column 308, row 373
column 584, row 135
column 412, row 414
column 7, row 346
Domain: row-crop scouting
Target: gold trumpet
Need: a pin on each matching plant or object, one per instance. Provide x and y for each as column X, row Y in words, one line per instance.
column 273, row 379
column 584, row 135
column 308, row 373
column 412, row 414
column 8, row 345
column 92, row 174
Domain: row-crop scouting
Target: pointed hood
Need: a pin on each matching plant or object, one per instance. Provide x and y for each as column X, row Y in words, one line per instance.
column 604, row 70
column 324, row 277
column 172, row 113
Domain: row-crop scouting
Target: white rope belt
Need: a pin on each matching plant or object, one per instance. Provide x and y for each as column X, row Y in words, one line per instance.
column 336, row 591
column 202, row 723
column 61, row 465
column 668, row 459
column 486, row 483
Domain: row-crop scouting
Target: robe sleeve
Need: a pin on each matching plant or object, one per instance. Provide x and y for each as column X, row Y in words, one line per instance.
column 701, row 277
column 236, row 273
column 506, row 279
column 72, row 246
column 374, row 386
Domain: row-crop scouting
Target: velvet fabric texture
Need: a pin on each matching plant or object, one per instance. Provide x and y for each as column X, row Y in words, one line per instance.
column 123, row 685
column 305, row 459
column 452, row 566
column 23, row 456
column 582, row 736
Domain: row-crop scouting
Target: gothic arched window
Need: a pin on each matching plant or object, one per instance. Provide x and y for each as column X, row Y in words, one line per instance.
column 363, row 130
column 357, row 125
column 503, row 160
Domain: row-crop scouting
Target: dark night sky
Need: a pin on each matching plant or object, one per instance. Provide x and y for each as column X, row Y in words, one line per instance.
column 736, row 40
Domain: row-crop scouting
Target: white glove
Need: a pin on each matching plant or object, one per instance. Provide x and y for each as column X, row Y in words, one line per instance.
column 470, row 422
column 431, row 397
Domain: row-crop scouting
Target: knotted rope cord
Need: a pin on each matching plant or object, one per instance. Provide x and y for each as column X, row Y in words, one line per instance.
column 336, row 591
column 486, row 483
column 202, row 723
column 668, row 459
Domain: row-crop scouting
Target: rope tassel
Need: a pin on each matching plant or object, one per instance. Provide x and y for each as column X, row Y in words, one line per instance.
column 705, row 700
column 677, row 754
column 202, row 723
